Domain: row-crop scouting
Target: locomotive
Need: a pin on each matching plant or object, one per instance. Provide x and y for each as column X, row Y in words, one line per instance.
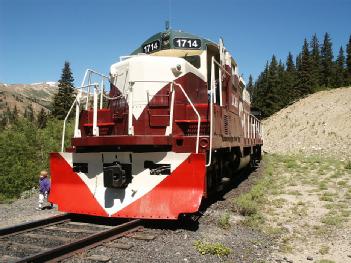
column 169, row 126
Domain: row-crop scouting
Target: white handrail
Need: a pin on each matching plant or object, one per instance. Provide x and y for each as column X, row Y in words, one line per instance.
column 169, row 129
column 130, row 110
column 211, row 114
column 87, row 75
column 196, row 112
column 78, row 98
column 64, row 125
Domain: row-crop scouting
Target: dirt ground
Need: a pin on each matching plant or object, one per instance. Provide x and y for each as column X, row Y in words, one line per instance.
column 23, row 210
column 308, row 208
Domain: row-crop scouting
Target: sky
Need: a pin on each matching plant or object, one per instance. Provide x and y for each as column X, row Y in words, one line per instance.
column 37, row 36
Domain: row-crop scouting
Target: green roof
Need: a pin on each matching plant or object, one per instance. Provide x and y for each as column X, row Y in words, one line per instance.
column 172, row 35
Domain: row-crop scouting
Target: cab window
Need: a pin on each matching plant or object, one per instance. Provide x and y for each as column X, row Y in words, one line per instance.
column 193, row 60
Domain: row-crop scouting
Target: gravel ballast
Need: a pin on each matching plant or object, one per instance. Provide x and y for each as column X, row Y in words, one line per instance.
column 174, row 241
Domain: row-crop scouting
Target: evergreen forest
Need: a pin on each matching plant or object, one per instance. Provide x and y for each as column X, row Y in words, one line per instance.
column 27, row 140
column 314, row 69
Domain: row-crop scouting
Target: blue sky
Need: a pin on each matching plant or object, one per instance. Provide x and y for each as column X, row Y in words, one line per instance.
column 37, row 36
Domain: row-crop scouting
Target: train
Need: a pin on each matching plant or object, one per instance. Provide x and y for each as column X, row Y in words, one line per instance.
column 169, row 126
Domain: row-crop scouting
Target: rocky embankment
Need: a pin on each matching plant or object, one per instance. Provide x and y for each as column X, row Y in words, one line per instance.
column 317, row 124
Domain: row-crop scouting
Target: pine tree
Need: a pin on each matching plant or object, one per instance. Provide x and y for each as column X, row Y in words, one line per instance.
column 261, row 91
column 348, row 61
column 272, row 101
column 282, row 90
column 315, row 63
column 15, row 114
column 290, row 78
column 340, row 76
column 304, row 85
column 65, row 96
column 42, row 119
column 29, row 113
column 298, row 61
column 327, row 61
column 8, row 115
column 250, row 87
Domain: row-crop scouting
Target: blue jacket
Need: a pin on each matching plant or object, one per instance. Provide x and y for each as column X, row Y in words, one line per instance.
column 44, row 185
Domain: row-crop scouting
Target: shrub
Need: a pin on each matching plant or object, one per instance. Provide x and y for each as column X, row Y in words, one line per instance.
column 24, row 152
column 246, row 205
column 223, row 221
column 211, row 248
column 348, row 165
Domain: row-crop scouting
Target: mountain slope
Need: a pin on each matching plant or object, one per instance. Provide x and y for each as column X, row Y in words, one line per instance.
column 39, row 95
column 319, row 123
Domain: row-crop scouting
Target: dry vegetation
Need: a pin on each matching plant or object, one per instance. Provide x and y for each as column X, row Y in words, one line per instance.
column 305, row 203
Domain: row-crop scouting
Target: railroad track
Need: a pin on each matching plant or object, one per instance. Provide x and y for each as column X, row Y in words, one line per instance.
column 59, row 237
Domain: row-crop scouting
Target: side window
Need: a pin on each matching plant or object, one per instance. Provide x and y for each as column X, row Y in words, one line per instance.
column 233, row 79
column 193, row 60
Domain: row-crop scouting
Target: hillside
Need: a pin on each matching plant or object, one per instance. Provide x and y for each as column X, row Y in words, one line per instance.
column 39, row 95
column 319, row 123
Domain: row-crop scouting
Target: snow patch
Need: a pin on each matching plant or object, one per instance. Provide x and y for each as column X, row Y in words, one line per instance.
column 51, row 83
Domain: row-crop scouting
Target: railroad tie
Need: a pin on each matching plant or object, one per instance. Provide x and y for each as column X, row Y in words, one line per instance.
column 6, row 258
column 123, row 246
column 70, row 230
column 99, row 258
column 142, row 236
column 88, row 224
column 28, row 246
column 55, row 238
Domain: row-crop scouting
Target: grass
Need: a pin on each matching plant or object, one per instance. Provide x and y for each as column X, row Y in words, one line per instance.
column 324, row 250
column 267, row 207
column 211, row 248
column 332, row 219
column 323, row 185
column 322, row 230
column 294, row 192
column 348, row 165
column 342, row 183
column 223, row 221
column 345, row 213
column 327, row 196
column 279, row 203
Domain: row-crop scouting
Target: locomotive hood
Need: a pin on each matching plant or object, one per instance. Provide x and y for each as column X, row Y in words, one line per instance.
column 145, row 75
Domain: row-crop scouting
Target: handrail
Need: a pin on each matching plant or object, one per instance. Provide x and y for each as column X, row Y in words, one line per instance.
column 219, row 65
column 255, row 127
column 196, row 112
column 211, row 114
column 87, row 75
column 76, row 101
column 64, row 125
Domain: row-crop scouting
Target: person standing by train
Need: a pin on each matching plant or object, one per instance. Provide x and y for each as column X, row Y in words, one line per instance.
column 44, row 189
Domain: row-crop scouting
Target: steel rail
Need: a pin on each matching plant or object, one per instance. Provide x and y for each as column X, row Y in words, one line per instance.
column 66, row 250
column 24, row 227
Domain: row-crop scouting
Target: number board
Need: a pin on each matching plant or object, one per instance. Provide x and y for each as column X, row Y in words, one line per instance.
column 187, row 43
column 152, row 46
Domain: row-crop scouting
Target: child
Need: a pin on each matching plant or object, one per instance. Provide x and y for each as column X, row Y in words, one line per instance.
column 44, row 189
